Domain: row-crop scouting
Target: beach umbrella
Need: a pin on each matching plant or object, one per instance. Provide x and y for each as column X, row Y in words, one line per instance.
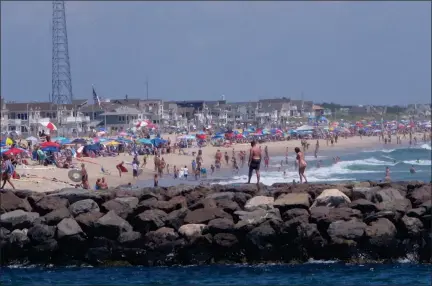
column 50, row 149
column 49, row 125
column 4, row 150
column 75, row 175
column 32, row 139
column 8, row 142
column 144, row 141
column 79, row 141
column 14, row 151
column 112, row 143
column 50, row 144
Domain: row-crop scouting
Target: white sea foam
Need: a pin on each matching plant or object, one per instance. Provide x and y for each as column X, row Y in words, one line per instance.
column 419, row 163
column 426, row 146
column 313, row 261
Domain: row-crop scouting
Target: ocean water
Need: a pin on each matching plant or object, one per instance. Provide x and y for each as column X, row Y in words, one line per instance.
column 313, row 273
column 356, row 165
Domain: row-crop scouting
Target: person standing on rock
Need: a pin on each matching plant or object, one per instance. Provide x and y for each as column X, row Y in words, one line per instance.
column 302, row 164
column 254, row 161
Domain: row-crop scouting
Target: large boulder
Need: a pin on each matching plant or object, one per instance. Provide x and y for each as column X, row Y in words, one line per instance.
column 175, row 219
column 123, row 206
column 111, row 225
column 190, row 230
column 139, row 193
column 205, row 215
column 18, row 240
column 381, row 235
column 68, row 227
column 219, row 225
column 48, row 204
column 41, row 233
column 10, row 202
column 228, row 206
column 83, row 206
column 391, row 215
column 324, row 216
column 130, row 239
column 56, row 216
column 160, row 237
column 220, row 196
column 292, row 201
column 420, row 195
column 150, row 220
column 87, row 221
column 399, row 205
column 346, row 230
column 262, row 243
column 73, row 195
column 413, row 227
column 388, row 194
column 361, row 192
column 259, row 202
column 18, row 219
column 294, row 213
column 331, row 198
column 364, row 206
column 257, row 216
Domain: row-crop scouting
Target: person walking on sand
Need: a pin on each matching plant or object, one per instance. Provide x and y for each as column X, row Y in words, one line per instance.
column 254, row 161
column 84, row 177
column 135, row 169
column 302, row 164
column 119, row 167
column 7, row 171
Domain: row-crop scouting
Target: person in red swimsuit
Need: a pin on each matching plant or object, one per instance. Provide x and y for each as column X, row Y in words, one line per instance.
column 119, row 168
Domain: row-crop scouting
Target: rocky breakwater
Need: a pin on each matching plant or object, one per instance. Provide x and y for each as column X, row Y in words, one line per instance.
column 217, row 224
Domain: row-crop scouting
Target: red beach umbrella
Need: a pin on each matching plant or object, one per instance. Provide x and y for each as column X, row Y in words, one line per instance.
column 50, row 144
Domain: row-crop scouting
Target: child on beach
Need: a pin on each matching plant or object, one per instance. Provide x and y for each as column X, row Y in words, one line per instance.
column 135, row 169
column 185, row 172
column 156, row 180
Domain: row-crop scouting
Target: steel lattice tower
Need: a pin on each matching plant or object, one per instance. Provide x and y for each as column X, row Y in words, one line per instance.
column 61, row 74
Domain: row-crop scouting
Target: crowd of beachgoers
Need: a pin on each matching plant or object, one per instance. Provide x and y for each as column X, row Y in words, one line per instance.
column 47, row 161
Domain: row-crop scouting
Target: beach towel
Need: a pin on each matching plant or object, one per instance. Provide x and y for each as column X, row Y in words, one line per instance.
column 123, row 169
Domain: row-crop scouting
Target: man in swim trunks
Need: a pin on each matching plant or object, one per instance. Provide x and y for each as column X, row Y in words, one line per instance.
column 254, row 161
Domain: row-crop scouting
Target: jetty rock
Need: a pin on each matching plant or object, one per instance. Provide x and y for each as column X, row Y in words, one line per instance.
column 241, row 223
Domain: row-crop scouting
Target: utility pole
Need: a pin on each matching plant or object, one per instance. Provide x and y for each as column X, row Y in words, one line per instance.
column 147, row 88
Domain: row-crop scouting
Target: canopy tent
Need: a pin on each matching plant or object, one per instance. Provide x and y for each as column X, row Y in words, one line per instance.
column 144, row 141
column 157, row 142
column 305, row 128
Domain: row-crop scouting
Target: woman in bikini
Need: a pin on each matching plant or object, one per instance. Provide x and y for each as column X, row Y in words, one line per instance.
column 302, row 164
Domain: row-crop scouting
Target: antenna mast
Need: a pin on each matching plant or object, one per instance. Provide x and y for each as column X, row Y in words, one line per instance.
column 61, row 74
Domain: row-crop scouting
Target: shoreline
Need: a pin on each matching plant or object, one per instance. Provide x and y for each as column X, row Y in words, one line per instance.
column 42, row 179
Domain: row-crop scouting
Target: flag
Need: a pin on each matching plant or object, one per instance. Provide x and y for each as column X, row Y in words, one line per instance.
column 96, row 98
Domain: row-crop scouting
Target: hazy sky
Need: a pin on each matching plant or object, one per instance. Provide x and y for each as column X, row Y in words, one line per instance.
column 346, row 52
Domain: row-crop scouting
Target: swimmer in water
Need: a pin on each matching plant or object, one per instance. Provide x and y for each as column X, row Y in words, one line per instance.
column 318, row 165
column 387, row 174
column 284, row 174
column 412, row 170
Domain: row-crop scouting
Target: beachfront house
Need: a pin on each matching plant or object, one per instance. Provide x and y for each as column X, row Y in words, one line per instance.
column 122, row 118
column 28, row 117
column 4, row 115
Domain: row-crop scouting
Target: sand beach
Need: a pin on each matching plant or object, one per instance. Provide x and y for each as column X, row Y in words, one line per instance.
column 43, row 179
